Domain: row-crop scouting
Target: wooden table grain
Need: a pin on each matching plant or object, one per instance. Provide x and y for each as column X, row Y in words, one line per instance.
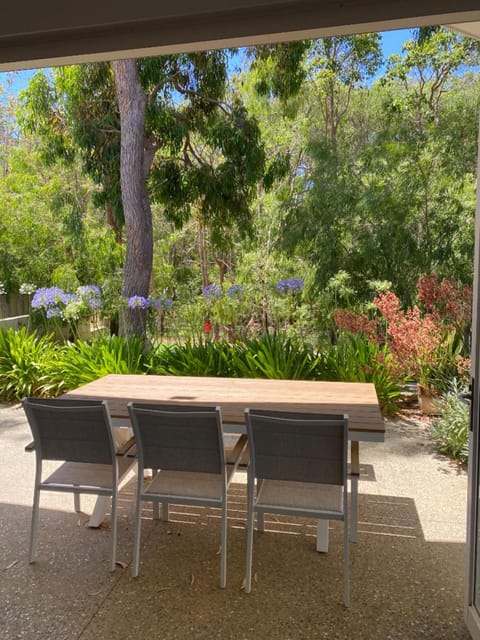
column 358, row 400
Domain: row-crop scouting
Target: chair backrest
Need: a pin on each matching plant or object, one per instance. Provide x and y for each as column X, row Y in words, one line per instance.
column 71, row 430
column 298, row 447
column 178, row 437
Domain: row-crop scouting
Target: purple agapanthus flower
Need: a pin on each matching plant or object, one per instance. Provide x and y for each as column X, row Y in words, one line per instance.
column 54, row 312
column 290, row 285
column 212, row 291
column 46, row 297
column 235, row 291
column 91, row 295
column 165, row 304
column 89, row 291
column 138, row 302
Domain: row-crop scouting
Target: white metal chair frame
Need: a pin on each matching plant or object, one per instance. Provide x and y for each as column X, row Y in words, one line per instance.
column 174, row 419
column 87, row 463
column 292, row 468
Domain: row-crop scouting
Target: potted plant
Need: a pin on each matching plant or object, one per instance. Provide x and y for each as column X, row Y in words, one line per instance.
column 436, row 369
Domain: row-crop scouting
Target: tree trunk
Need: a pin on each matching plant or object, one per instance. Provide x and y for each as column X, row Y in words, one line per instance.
column 134, row 167
column 202, row 250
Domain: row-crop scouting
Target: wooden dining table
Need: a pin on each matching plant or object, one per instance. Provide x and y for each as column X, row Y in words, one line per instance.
column 357, row 400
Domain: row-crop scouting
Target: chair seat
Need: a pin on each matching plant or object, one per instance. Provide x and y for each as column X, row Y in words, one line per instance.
column 186, row 484
column 302, row 496
column 86, row 474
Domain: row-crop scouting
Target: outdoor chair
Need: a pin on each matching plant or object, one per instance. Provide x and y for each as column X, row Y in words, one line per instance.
column 183, row 445
column 79, row 433
column 298, row 467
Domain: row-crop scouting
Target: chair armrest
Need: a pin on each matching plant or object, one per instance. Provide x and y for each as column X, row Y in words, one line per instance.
column 234, row 455
column 128, row 448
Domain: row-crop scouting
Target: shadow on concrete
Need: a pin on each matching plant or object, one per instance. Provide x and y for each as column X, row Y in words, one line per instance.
column 402, row 586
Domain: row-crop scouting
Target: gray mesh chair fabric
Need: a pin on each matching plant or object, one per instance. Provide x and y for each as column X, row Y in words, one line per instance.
column 183, row 445
column 79, row 433
column 298, row 464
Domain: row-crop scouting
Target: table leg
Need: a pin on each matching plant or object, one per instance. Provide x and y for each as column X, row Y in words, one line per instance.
column 102, row 503
column 322, row 536
column 354, row 475
column 99, row 511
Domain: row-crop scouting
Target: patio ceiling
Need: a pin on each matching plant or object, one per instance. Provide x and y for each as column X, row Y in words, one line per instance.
column 56, row 32
column 471, row 29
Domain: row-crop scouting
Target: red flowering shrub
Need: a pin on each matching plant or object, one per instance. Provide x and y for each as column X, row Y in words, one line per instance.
column 424, row 346
column 448, row 303
column 412, row 339
column 355, row 323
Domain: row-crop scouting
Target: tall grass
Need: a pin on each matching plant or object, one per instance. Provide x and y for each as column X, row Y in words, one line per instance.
column 23, row 357
column 32, row 365
column 78, row 362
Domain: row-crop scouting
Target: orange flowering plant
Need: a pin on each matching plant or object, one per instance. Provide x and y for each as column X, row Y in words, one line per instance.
column 426, row 345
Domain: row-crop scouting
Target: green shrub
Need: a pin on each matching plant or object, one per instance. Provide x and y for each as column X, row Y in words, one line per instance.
column 23, row 360
column 194, row 359
column 80, row 362
column 357, row 359
column 276, row 357
column 450, row 430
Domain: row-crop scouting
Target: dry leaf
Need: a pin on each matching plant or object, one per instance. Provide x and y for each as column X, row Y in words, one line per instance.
column 192, row 579
column 94, row 593
column 219, row 550
column 244, row 582
column 12, row 564
column 124, row 565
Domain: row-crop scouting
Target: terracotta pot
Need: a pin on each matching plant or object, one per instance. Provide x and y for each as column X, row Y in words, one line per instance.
column 427, row 400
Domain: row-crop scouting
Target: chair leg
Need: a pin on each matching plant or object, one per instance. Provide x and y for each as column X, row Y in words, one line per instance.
column 34, row 526
column 354, row 508
column 113, row 541
column 346, row 563
column 260, row 521
column 76, row 502
column 155, row 503
column 165, row 511
column 138, row 514
column 223, row 550
column 250, row 524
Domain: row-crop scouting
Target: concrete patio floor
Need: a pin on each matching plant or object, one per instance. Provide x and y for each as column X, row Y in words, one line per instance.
column 407, row 570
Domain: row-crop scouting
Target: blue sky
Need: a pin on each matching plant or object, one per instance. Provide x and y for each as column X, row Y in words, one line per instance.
column 392, row 42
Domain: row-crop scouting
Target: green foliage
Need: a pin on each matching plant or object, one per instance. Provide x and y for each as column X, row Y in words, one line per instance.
column 356, row 359
column 451, row 430
column 444, row 361
column 275, row 356
column 271, row 356
column 22, row 364
column 80, row 362
column 194, row 359
column 64, row 276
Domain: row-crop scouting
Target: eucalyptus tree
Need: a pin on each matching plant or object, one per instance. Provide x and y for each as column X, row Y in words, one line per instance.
column 163, row 130
column 158, row 129
column 391, row 199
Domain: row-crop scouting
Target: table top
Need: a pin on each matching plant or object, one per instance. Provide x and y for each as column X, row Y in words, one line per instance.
column 358, row 400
